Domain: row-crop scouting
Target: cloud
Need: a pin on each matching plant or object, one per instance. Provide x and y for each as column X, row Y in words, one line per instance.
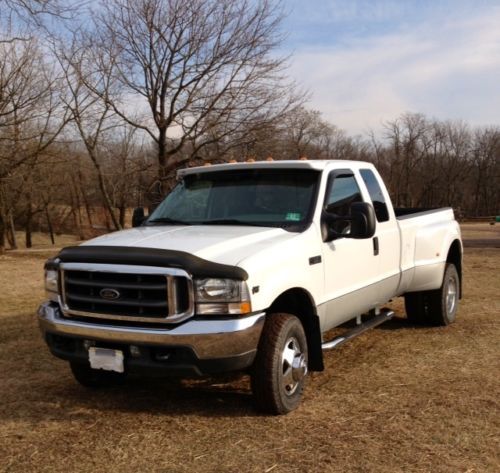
column 447, row 66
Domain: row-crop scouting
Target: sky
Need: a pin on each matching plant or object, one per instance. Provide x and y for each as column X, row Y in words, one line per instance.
column 367, row 62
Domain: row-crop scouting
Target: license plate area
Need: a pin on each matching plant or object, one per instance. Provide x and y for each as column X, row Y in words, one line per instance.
column 106, row 359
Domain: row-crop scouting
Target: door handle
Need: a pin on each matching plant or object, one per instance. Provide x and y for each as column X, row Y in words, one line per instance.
column 375, row 246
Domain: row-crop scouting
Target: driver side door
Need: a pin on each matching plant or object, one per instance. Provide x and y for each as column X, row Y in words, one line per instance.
column 350, row 264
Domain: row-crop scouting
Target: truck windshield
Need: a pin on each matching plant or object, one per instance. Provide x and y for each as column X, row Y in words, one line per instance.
column 263, row 197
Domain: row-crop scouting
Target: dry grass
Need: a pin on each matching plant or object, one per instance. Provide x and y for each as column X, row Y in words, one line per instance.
column 41, row 241
column 398, row 399
column 480, row 230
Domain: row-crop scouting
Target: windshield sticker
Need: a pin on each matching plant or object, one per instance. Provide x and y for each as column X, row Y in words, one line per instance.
column 293, row 216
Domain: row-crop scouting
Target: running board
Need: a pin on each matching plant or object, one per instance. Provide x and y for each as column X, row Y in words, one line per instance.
column 385, row 314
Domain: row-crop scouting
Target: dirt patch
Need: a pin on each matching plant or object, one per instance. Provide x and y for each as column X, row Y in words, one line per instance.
column 400, row 398
column 480, row 235
column 481, row 243
column 41, row 241
column 482, row 230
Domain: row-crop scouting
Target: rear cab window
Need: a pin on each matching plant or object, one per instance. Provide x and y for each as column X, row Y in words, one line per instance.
column 376, row 194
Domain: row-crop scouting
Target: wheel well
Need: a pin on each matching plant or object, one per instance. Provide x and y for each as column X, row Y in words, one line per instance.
column 455, row 257
column 299, row 302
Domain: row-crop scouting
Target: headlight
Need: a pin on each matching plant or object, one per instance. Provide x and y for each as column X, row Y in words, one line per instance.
column 51, row 277
column 221, row 296
column 208, row 290
column 51, row 283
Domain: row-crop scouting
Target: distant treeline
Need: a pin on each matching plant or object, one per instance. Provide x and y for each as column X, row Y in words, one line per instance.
column 97, row 112
column 424, row 162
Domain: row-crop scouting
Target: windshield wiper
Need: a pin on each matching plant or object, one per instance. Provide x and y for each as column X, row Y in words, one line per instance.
column 218, row 221
column 231, row 221
column 173, row 221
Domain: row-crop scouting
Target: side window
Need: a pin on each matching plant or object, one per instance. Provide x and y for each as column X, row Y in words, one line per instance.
column 376, row 195
column 343, row 191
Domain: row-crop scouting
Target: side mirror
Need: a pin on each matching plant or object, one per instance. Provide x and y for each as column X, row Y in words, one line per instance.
column 363, row 220
column 138, row 217
column 359, row 224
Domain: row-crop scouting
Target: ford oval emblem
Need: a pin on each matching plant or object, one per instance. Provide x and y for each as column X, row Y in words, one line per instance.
column 109, row 294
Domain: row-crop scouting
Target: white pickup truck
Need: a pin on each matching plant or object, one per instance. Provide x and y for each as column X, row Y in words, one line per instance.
column 245, row 267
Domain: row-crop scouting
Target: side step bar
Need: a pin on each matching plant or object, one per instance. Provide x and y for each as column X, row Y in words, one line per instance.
column 385, row 314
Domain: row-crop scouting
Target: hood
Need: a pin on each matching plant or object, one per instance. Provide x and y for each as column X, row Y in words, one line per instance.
column 220, row 244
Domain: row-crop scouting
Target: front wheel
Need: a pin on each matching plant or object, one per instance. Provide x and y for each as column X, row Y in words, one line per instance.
column 280, row 367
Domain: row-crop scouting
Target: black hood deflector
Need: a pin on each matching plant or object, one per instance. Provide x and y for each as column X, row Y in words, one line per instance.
column 197, row 267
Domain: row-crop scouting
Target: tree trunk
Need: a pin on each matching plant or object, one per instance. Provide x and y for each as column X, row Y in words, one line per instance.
column 158, row 190
column 49, row 226
column 107, row 201
column 2, row 235
column 12, row 231
column 84, row 197
column 75, row 211
column 29, row 219
column 87, row 210
column 121, row 214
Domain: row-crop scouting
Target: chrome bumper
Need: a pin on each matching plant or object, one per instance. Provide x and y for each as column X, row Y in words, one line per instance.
column 209, row 339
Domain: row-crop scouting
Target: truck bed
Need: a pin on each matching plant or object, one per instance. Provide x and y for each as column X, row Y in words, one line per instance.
column 426, row 235
column 409, row 212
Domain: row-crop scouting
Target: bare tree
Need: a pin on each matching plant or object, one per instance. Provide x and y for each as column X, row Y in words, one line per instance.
column 191, row 73
column 486, row 171
column 407, row 136
column 21, row 20
column 93, row 118
column 128, row 164
column 31, row 115
column 299, row 133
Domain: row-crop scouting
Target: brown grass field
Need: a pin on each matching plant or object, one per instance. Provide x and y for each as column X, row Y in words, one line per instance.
column 400, row 398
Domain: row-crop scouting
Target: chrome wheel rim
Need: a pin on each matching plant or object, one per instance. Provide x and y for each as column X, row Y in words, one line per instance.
column 451, row 296
column 294, row 366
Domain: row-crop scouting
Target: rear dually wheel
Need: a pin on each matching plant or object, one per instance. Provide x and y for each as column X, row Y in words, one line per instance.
column 438, row 307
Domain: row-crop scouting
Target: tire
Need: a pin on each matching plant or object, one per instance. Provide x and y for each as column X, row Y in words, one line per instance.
column 443, row 303
column 416, row 307
column 437, row 307
column 280, row 367
column 91, row 378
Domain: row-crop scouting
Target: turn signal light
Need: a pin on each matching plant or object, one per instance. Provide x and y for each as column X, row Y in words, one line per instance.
column 245, row 307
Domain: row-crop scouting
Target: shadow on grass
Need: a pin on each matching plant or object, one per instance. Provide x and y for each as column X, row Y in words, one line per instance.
column 398, row 322
column 211, row 397
column 402, row 323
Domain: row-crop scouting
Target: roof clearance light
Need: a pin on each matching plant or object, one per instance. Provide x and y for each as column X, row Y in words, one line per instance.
column 303, row 158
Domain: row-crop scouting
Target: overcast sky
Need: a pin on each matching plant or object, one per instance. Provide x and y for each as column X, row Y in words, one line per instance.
column 369, row 61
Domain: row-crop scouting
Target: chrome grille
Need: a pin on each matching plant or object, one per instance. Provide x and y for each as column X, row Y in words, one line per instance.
column 129, row 293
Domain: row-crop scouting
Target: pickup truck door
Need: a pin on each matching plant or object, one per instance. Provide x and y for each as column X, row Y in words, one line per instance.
column 350, row 265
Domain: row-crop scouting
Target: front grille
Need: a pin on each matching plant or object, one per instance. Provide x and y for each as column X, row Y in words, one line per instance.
column 139, row 297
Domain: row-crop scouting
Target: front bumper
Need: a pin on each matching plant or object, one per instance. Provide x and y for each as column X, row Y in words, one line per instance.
column 212, row 345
